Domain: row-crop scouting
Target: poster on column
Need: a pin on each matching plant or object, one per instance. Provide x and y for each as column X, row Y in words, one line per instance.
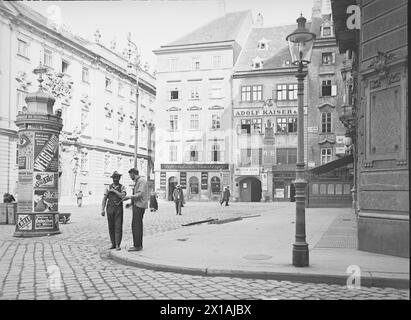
column 25, row 191
column 46, row 152
column 45, row 200
column 25, row 155
column 45, row 180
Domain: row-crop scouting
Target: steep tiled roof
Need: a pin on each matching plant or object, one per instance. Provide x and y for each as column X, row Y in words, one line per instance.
column 221, row 29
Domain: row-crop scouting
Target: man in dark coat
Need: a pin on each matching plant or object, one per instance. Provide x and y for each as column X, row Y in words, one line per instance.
column 139, row 201
column 178, row 197
column 226, row 196
column 113, row 204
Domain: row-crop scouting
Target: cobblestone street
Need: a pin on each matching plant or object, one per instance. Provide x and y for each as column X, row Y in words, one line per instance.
column 80, row 253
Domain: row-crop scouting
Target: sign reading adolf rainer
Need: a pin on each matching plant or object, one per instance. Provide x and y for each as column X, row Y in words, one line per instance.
column 46, row 152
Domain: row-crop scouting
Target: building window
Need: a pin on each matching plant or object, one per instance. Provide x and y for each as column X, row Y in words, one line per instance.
column 108, row 84
column 173, row 153
column 217, row 62
column 174, row 94
column 48, row 58
column 85, row 75
column 193, row 183
column 195, row 63
column 173, row 122
column 22, row 48
column 193, row 153
column 257, row 63
column 64, row 66
column 252, row 93
column 281, row 125
column 326, row 31
column 246, row 93
column 216, row 121
column 287, row 91
column 173, row 63
column 215, row 152
column 292, row 125
column 215, row 185
column 327, row 58
column 286, row 156
column 328, row 89
column 326, row 155
column 286, row 125
column 246, row 126
column 194, row 122
column 194, row 94
column 326, row 122
column 257, row 125
column 20, row 101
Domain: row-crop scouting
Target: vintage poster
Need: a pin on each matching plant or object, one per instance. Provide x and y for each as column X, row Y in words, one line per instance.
column 25, row 191
column 44, row 221
column 46, row 152
column 45, row 180
column 25, row 154
column 24, row 222
column 45, row 200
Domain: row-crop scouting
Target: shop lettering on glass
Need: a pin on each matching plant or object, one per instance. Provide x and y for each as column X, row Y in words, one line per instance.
column 45, row 201
column 45, row 152
column 24, row 222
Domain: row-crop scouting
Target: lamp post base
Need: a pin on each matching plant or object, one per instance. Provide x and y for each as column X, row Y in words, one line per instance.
column 300, row 255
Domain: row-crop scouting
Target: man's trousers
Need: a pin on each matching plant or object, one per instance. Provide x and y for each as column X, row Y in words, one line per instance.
column 137, row 226
column 115, row 224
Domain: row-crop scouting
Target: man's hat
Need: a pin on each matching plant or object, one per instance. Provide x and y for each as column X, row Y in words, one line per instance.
column 115, row 174
column 178, row 186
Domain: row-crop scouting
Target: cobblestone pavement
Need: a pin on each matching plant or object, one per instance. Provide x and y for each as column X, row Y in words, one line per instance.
column 80, row 253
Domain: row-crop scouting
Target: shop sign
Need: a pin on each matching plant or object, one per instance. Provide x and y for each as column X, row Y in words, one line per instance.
column 312, row 129
column 193, row 166
column 282, row 111
column 340, row 150
column 183, row 180
column 339, row 139
column 163, row 180
column 204, row 180
column 247, row 171
column 311, row 164
column 279, row 193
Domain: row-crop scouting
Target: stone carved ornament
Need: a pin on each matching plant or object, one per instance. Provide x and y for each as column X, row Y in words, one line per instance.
column 58, row 86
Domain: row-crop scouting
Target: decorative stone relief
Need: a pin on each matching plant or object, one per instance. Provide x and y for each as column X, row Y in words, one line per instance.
column 59, row 86
column 21, row 79
column 379, row 63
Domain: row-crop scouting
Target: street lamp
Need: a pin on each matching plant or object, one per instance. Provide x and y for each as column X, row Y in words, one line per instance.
column 300, row 43
column 130, row 52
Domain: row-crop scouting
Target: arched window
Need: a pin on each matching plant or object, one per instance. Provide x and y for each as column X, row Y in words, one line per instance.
column 215, row 185
column 193, row 183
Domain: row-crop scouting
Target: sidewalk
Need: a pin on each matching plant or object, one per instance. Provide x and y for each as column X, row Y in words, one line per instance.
column 261, row 247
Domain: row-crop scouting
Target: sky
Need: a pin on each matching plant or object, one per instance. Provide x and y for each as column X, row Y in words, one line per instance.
column 154, row 23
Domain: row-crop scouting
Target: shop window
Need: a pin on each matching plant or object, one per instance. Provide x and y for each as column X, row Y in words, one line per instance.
column 215, row 185
column 338, row 188
column 314, row 188
column 347, row 189
column 330, row 189
column 323, row 188
column 193, row 184
column 246, row 126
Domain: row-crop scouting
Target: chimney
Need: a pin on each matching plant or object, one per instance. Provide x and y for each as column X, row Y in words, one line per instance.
column 259, row 22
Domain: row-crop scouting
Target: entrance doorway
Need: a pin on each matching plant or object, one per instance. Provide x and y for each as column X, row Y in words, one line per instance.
column 250, row 190
column 172, row 183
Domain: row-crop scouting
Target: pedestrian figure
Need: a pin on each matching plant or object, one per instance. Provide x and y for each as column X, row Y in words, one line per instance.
column 178, row 197
column 153, row 202
column 139, row 202
column 79, row 196
column 225, row 196
column 113, row 204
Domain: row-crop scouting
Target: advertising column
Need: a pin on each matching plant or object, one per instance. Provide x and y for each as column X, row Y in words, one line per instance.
column 39, row 130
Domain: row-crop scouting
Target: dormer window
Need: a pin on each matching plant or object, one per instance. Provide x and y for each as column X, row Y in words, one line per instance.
column 257, row 63
column 263, row 44
column 326, row 29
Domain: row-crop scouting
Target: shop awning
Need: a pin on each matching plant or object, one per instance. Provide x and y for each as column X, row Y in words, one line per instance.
column 333, row 165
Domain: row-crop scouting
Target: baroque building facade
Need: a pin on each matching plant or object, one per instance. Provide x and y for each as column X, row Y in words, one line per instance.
column 95, row 91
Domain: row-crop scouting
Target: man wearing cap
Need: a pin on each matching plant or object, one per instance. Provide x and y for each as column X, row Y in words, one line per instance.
column 139, row 201
column 226, row 196
column 113, row 204
column 178, row 198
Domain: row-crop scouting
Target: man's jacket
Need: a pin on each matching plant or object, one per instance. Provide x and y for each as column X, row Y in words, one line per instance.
column 140, row 193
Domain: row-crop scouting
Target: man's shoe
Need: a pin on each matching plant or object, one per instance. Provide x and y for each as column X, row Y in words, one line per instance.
column 118, row 248
column 112, row 247
column 135, row 248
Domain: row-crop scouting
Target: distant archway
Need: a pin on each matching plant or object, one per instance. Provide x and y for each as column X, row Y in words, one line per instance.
column 250, row 190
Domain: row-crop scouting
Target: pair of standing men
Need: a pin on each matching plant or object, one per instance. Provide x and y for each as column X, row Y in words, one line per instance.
column 113, row 199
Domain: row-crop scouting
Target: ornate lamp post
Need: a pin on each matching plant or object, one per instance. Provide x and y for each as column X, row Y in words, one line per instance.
column 132, row 50
column 300, row 43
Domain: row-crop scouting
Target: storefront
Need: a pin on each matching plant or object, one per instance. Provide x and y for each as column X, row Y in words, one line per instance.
column 283, row 187
column 198, row 181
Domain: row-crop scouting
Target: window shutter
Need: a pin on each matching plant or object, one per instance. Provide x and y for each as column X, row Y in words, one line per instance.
column 333, row 90
column 333, row 61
